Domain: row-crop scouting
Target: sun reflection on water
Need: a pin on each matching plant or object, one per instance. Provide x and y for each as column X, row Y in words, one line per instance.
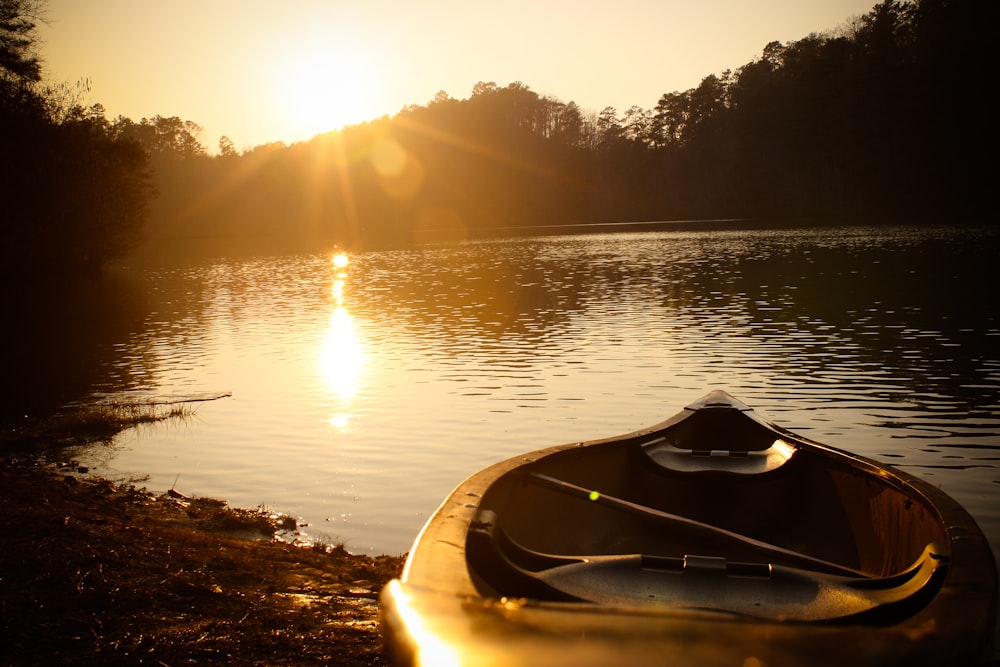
column 342, row 356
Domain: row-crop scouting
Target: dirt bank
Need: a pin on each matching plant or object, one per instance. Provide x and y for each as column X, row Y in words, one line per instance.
column 94, row 573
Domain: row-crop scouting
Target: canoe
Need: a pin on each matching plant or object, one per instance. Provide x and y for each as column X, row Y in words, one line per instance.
column 712, row 538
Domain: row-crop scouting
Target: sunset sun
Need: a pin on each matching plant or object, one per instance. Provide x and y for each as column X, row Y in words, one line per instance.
column 321, row 85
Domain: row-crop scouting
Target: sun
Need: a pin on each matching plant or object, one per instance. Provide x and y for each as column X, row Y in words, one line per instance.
column 324, row 84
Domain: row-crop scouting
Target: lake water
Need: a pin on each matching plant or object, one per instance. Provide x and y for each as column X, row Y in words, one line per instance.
column 362, row 394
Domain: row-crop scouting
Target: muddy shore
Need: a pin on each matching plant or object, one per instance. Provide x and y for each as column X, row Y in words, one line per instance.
column 98, row 573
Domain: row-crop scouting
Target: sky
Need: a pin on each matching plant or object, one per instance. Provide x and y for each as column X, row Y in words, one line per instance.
column 260, row 71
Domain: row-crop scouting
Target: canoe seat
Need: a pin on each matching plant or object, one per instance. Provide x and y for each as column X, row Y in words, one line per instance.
column 767, row 591
column 740, row 461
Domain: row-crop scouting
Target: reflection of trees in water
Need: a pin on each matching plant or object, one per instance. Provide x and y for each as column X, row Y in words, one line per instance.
column 471, row 291
column 63, row 339
column 911, row 308
column 915, row 311
column 840, row 306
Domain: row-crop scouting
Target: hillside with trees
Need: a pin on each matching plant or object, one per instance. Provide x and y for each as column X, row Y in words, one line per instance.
column 883, row 120
column 880, row 121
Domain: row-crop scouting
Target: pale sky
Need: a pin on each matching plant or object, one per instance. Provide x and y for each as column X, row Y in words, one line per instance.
column 270, row 70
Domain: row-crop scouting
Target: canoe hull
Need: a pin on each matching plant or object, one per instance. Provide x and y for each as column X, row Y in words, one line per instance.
column 598, row 553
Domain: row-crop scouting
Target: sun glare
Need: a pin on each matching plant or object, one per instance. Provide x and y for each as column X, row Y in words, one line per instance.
column 322, row 84
column 341, row 358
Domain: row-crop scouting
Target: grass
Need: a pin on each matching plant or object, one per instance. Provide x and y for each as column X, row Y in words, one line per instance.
column 98, row 422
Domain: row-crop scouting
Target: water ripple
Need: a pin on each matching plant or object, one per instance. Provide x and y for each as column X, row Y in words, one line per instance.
column 448, row 358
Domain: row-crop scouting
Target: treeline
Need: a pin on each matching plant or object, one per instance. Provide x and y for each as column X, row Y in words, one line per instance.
column 884, row 120
column 72, row 193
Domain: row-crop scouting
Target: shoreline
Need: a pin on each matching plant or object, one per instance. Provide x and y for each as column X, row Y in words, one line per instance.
column 94, row 572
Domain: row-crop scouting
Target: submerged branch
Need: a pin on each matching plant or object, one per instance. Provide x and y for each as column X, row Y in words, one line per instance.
column 195, row 398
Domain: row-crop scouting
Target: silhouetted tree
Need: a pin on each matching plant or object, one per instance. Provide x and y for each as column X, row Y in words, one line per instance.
column 19, row 62
column 609, row 128
column 162, row 137
column 568, row 126
column 637, row 125
column 72, row 195
column 227, row 148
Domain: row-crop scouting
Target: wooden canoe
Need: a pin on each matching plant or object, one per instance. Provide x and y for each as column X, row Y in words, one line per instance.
column 712, row 538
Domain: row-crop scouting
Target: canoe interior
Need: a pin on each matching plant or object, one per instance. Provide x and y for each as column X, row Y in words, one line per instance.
column 818, row 503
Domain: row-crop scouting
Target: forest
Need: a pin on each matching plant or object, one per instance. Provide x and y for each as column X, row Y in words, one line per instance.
column 883, row 120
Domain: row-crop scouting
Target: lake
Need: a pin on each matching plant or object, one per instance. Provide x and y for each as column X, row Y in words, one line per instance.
column 363, row 393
